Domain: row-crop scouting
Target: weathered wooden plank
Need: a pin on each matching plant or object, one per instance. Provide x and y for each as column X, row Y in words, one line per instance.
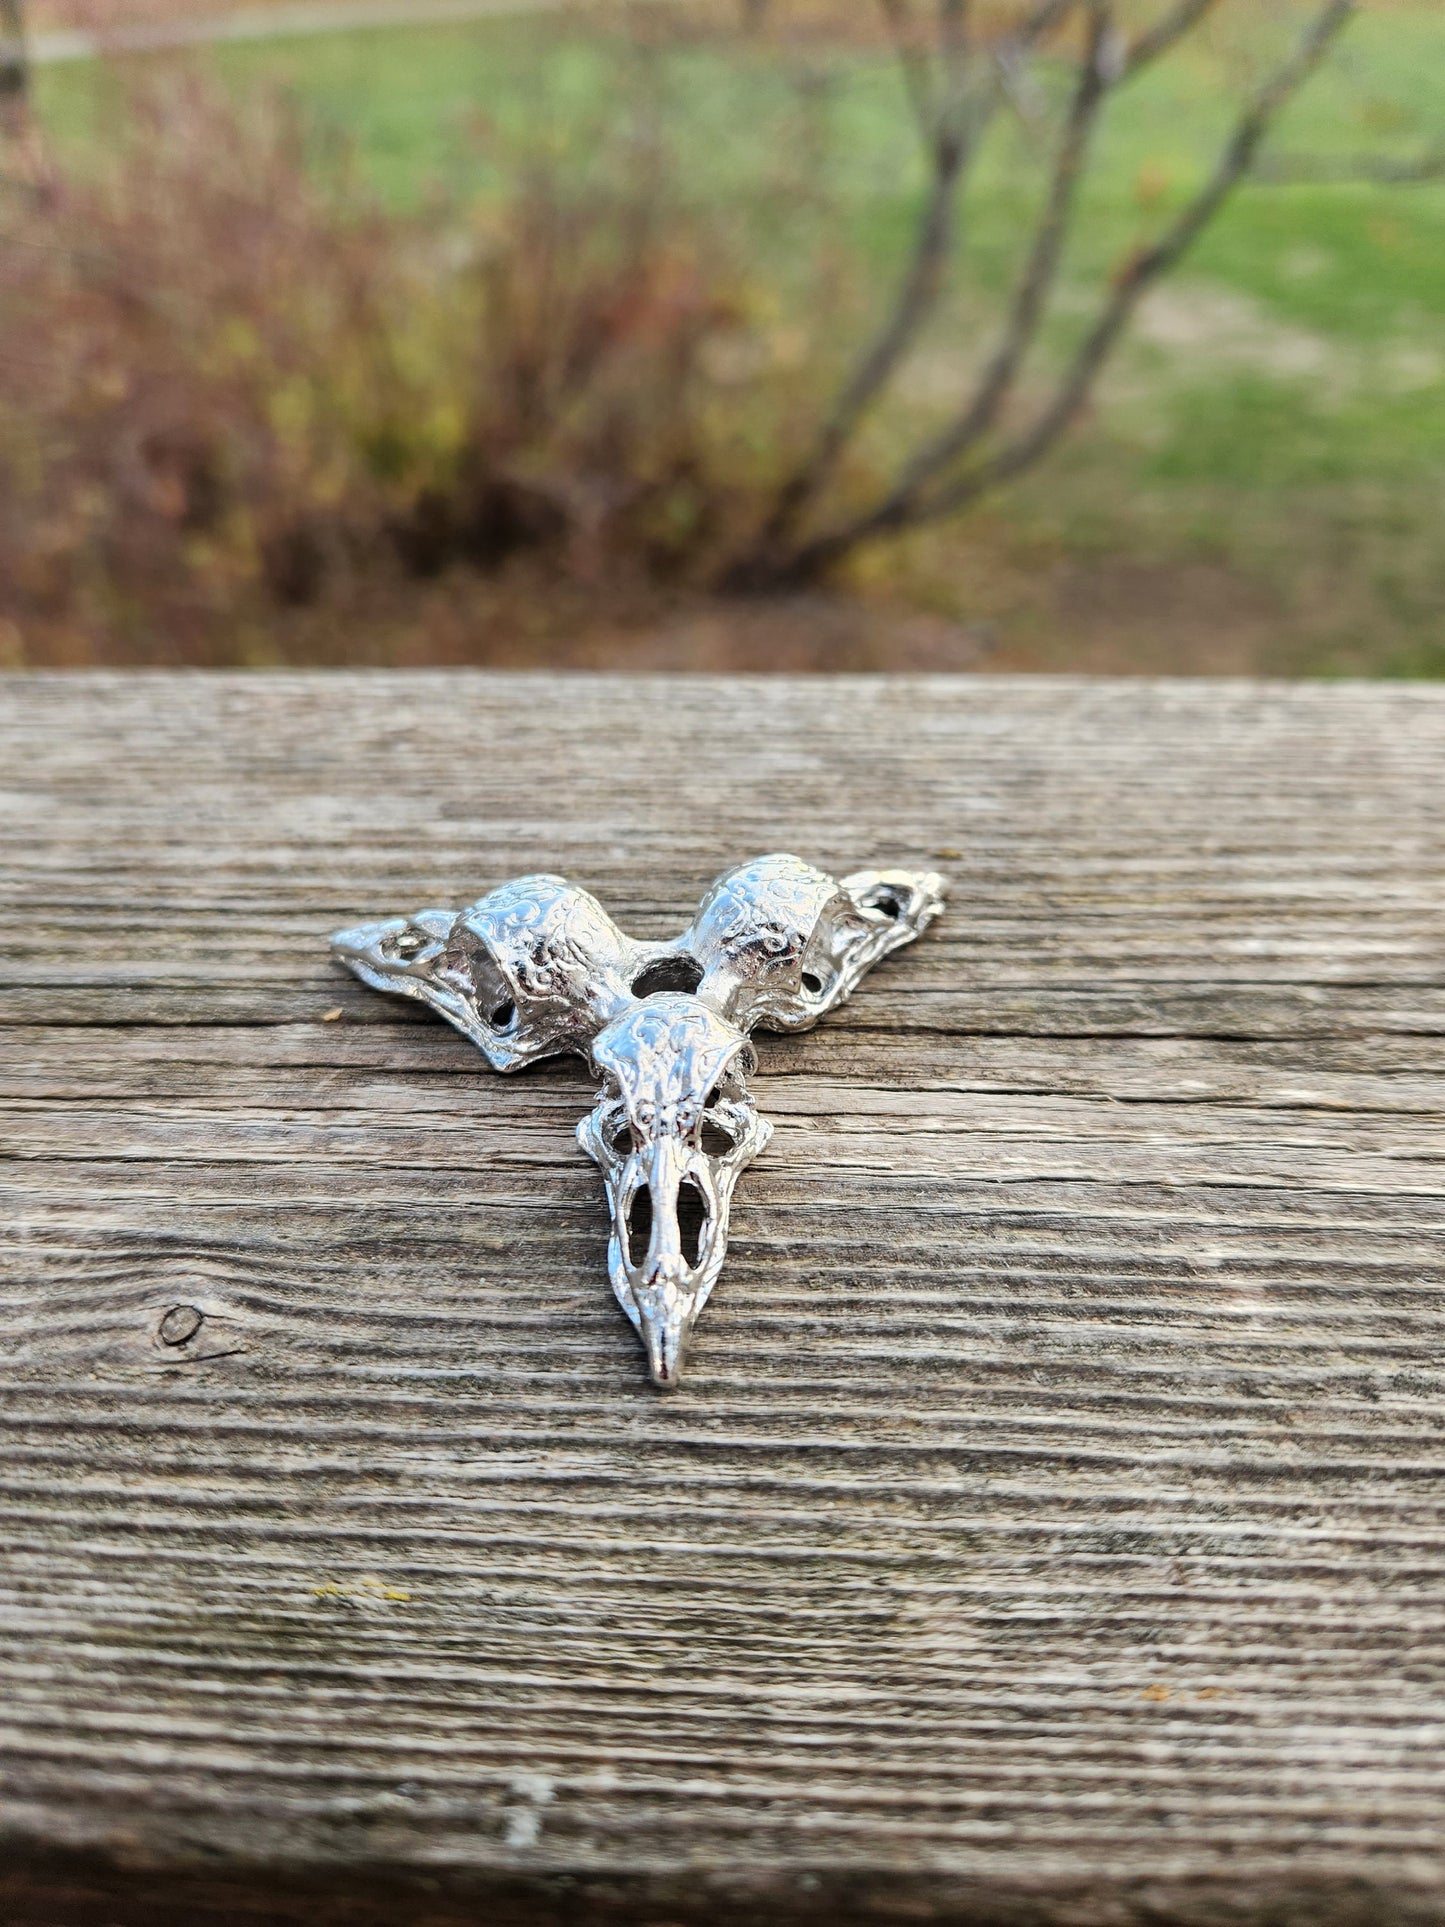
column 1051, row 1529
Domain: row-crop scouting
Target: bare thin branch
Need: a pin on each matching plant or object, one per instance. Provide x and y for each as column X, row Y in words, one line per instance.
column 953, row 48
column 14, row 63
column 951, row 148
column 1046, row 17
column 1294, row 170
column 1156, row 41
column 913, row 63
column 1129, row 286
column 28, row 168
column 1040, row 270
column 1149, row 264
column 954, row 51
column 1017, row 85
column 1123, row 58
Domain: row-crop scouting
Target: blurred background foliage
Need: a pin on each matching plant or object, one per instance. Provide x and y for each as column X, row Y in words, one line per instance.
column 490, row 341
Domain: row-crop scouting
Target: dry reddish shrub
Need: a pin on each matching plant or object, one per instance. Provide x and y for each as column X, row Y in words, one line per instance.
column 231, row 385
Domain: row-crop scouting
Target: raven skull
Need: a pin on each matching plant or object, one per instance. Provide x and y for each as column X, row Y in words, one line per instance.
column 672, row 1130
column 538, row 967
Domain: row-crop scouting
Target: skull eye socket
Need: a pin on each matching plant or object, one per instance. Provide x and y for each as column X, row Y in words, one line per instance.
column 715, row 1139
column 639, row 1226
column 619, row 1135
column 812, row 982
column 691, row 1217
column 470, row 968
column 887, row 902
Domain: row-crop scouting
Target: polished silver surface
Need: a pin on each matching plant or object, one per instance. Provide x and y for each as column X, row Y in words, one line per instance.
column 538, row 967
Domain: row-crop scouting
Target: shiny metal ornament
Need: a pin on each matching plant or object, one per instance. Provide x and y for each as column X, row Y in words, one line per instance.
column 538, row 967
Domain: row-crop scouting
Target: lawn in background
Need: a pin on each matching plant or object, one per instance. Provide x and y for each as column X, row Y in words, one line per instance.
column 1259, row 488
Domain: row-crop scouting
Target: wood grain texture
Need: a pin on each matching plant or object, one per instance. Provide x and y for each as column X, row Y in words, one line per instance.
column 1052, row 1526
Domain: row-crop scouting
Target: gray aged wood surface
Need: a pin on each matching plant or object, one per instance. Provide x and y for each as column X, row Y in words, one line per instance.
column 1051, row 1528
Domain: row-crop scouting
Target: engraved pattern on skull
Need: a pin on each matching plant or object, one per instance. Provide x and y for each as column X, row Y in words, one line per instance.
column 560, row 961
column 531, row 969
column 782, row 943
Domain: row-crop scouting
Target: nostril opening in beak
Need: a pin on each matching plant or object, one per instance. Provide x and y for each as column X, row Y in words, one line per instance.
column 639, row 1226
column 691, row 1217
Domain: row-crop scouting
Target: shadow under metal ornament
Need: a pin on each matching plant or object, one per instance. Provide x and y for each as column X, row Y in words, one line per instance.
column 538, row 967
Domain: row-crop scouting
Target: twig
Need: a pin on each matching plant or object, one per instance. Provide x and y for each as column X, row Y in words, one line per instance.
column 1046, row 16
column 14, row 65
column 18, row 130
column 1295, row 170
column 1150, row 263
column 1016, row 84
column 913, row 64
column 1129, row 286
column 1040, row 270
column 1158, row 39
column 953, row 143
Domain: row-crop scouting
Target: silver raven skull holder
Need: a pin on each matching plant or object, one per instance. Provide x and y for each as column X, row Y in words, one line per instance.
column 538, row 967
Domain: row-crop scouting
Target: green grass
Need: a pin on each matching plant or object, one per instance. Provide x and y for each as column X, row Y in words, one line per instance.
column 1287, row 426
